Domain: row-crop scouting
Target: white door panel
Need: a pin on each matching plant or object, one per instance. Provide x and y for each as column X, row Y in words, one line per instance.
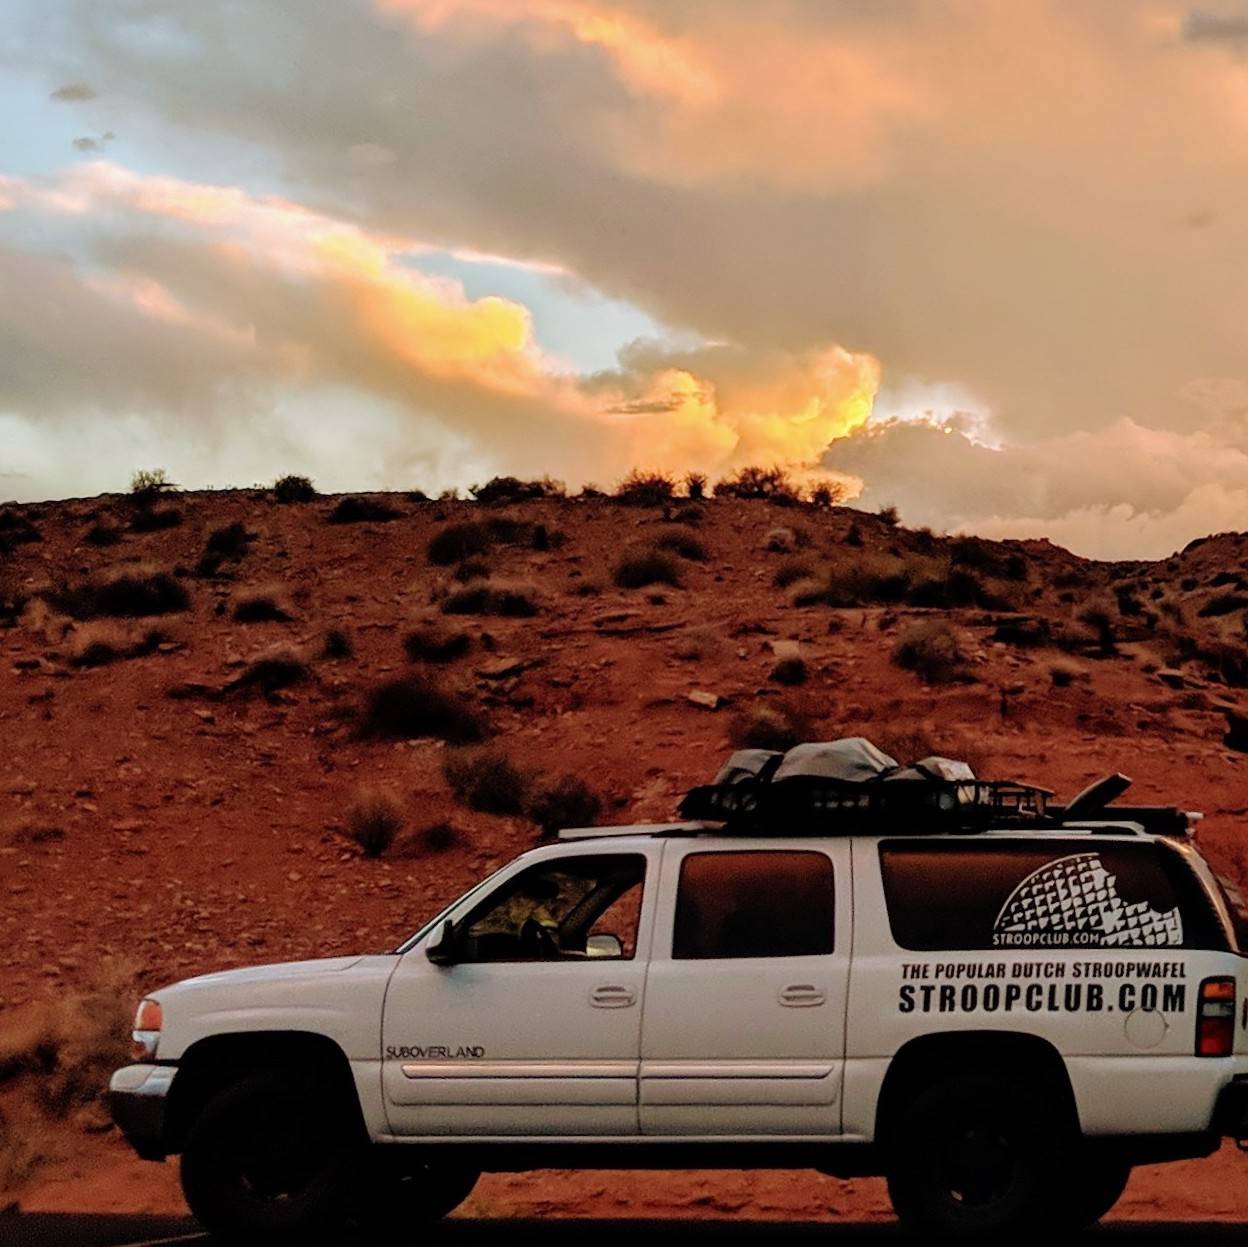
column 745, row 1044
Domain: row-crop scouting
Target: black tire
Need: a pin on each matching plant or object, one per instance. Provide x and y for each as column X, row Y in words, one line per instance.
column 271, row 1157
column 1092, row 1187
column 975, row 1155
column 397, row 1198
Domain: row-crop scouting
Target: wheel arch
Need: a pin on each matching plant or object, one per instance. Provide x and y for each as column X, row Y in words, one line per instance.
column 214, row 1062
column 926, row 1059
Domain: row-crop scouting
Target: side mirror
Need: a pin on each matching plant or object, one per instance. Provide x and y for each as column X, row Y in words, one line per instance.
column 604, row 945
column 442, row 950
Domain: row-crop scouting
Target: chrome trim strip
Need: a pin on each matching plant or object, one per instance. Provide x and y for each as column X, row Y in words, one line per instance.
column 520, row 1069
column 736, row 1069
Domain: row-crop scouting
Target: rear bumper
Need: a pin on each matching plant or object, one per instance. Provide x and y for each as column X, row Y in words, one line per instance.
column 1230, row 1116
column 137, row 1095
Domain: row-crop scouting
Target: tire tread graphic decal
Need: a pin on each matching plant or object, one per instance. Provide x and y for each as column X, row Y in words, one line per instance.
column 1077, row 898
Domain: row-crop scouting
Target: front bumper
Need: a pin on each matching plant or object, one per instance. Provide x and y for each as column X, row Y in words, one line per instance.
column 137, row 1095
column 1230, row 1117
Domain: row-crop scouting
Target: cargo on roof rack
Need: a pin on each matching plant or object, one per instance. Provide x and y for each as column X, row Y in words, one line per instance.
column 850, row 787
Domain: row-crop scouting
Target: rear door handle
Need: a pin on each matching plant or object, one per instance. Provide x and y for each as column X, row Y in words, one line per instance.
column 802, row 996
column 612, row 996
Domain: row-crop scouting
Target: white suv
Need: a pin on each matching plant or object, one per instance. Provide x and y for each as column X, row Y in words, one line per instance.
column 1001, row 1020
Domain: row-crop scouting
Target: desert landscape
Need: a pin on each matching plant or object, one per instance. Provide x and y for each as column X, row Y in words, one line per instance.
column 262, row 724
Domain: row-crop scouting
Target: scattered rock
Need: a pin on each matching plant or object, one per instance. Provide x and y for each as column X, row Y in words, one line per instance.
column 1172, row 678
column 501, row 668
column 708, row 701
column 786, row 649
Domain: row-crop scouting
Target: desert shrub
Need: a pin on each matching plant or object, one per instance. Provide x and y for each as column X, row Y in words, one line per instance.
column 262, row 604
column 827, row 494
column 16, row 530
column 231, row 541
column 780, row 541
column 373, row 821
column 645, row 489
column 984, row 556
column 485, row 598
column 932, row 652
column 646, row 567
column 507, row 489
column 270, row 672
column 337, row 644
column 102, row 534
column 458, row 542
column 564, row 802
column 1064, row 674
column 147, row 484
column 471, row 569
column 1222, row 604
column 590, row 490
column 129, row 594
column 1102, row 623
column 695, row 485
column 771, row 725
column 354, row 510
column 890, row 516
column 853, row 536
column 792, row 570
column 434, row 645
column 690, row 514
column 486, row 780
column 680, row 541
column 288, row 489
column 412, row 707
column 438, row 837
column 769, row 484
column 155, row 519
column 789, row 671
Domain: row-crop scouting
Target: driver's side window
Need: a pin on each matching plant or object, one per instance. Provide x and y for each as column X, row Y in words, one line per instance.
column 570, row 908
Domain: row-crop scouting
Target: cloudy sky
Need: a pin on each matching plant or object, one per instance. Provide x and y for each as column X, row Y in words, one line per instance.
column 983, row 259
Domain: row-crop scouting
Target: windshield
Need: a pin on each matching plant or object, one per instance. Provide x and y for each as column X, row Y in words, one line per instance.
column 438, row 919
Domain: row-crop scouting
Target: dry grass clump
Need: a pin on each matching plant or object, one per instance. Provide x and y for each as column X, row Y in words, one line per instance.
column 337, row 644
column 492, row 598
column 1064, row 674
column 16, row 529
column 374, row 820
column 101, row 642
column 682, row 542
column 932, row 652
column 231, row 541
column 695, row 485
column 291, row 488
column 645, row 488
column 55, row 1060
column 458, row 542
column 102, row 535
column 697, row 645
column 771, row 725
column 353, row 510
column 565, row 802
column 132, row 593
column 262, row 604
column 270, row 672
column 1222, row 604
column 646, row 567
column 790, row 671
column 793, row 570
column 412, row 707
column 435, row 645
column 148, row 519
column 501, row 490
column 486, row 780
column 827, row 494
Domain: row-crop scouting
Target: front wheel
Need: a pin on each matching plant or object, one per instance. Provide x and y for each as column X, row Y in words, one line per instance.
column 396, row 1198
column 975, row 1155
column 270, row 1158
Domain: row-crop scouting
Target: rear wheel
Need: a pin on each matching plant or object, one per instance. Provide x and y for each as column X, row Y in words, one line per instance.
column 975, row 1155
column 271, row 1157
column 1092, row 1188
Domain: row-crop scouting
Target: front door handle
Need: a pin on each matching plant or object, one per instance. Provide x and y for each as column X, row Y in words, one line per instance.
column 612, row 996
column 802, row 996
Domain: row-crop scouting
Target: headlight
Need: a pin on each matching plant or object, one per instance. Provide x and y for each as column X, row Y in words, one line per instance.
column 146, row 1034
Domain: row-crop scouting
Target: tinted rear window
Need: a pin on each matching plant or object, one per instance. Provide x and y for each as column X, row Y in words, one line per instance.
column 1058, row 894
column 754, row 904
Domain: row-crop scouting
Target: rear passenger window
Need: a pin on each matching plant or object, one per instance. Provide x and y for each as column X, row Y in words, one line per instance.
column 1060, row 894
column 754, row 904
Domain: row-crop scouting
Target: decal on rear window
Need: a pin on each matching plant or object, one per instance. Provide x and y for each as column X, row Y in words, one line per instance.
column 1074, row 902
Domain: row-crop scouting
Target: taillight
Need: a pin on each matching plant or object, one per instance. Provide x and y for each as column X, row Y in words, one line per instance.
column 1215, row 1018
column 148, row 1021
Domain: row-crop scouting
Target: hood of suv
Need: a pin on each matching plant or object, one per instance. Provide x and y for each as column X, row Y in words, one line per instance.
column 263, row 974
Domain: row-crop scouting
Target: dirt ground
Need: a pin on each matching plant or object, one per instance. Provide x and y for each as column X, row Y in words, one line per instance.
column 160, row 811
